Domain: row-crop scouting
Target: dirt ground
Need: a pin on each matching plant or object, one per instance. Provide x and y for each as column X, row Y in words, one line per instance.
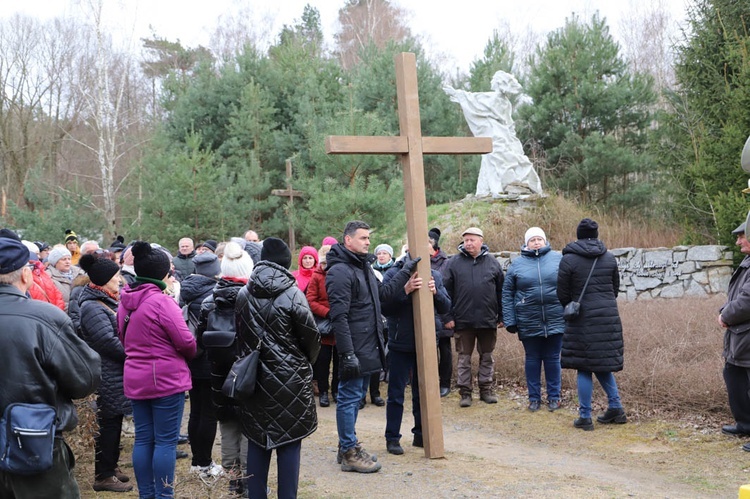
column 503, row 450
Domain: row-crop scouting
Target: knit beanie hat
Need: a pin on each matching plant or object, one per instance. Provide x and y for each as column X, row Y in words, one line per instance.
column 117, row 245
column 99, row 269
column 534, row 232
column 587, row 229
column 150, row 262
column 210, row 244
column 56, row 254
column 434, row 234
column 329, row 241
column 236, row 262
column 70, row 236
column 253, row 249
column 275, row 250
column 384, row 247
column 207, row 264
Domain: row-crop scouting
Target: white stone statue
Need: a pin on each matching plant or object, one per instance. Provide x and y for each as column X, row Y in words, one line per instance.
column 489, row 114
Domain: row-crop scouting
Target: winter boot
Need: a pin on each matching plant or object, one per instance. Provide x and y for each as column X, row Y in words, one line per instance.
column 356, row 460
column 584, row 424
column 616, row 416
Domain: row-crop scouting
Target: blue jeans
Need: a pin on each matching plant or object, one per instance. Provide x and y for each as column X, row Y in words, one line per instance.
column 157, row 428
column 287, row 468
column 586, row 389
column 402, row 367
column 347, row 408
column 541, row 350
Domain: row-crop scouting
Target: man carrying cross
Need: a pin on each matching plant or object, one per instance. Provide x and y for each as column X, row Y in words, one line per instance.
column 354, row 294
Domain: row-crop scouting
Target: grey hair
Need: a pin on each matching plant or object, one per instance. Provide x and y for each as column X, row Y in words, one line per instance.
column 12, row 277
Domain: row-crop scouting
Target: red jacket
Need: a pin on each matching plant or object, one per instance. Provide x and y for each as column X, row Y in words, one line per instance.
column 44, row 288
column 317, row 297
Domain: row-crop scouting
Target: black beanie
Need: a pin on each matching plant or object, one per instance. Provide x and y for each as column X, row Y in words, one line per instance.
column 150, row 262
column 434, row 234
column 587, row 229
column 275, row 250
column 99, row 269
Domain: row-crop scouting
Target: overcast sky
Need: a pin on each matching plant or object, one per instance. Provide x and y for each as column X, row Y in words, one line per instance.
column 457, row 34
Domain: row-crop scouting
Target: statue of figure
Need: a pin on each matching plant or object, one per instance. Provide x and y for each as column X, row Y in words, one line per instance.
column 489, row 114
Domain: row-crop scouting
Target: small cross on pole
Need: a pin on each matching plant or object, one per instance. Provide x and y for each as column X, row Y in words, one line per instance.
column 410, row 145
column 291, row 194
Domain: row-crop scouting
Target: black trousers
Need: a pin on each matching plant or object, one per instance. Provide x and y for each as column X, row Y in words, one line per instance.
column 737, row 380
column 107, row 445
column 202, row 422
column 322, row 369
column 445, row 361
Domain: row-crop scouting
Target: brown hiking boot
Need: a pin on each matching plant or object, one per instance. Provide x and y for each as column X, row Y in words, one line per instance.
column 358, row 446
column 488, row 397
column 121, row 476
column 356, row 460
column 465, row 400
column 111, row 484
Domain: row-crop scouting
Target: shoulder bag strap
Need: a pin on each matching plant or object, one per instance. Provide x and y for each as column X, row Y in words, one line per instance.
column 587, row 280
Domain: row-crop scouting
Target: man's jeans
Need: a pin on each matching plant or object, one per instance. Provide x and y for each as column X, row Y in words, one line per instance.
column 347, row 408
column 586, row 389
column 402, row 366
column 540, row 350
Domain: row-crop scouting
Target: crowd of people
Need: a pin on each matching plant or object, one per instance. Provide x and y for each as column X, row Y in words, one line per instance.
column 142, row 329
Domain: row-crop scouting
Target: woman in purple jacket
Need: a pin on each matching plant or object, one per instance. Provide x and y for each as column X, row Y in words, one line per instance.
column 158, row 345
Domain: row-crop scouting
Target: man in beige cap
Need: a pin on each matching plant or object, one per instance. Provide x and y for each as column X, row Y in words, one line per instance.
column 474, row 280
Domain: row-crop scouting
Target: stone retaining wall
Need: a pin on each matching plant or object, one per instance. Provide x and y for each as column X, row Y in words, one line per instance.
column 666, row 272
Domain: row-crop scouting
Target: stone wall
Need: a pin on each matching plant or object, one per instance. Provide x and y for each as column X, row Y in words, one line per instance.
column 666, row 272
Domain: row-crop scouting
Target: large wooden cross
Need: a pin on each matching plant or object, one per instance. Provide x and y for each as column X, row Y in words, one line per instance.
column 291, row 194
column 410, row 146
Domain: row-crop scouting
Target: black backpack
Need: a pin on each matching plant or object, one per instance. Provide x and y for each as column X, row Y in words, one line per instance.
column 220, row 338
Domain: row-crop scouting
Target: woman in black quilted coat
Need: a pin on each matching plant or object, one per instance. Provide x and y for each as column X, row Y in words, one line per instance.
column 98, row 303
column 592, row 343
column 272, row 313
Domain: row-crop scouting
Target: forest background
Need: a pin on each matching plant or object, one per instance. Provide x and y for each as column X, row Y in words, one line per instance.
column 177, row 141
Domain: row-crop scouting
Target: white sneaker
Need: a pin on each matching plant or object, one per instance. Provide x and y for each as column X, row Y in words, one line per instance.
column 213, row 470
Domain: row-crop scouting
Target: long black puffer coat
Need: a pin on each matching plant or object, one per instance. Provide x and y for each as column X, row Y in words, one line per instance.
column 193, row 290
column 223, row 297
column 272, row 310
column 99, row 330
column 355, row 295
column 593, row 341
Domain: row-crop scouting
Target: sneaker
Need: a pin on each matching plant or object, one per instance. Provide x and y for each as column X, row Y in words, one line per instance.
column 488, row 397
column 465, row 400
column 213, row 470
column 356, row 460
column 534, row 405
column 584, row 424
column 616, row 416
column 121, row 476
column 378, row 401
column 553, row 405
column 182, row 439
column 417, row 441
column 324, row 402
column 111, row 484
column 393, row 447
column 128, row 427
column 340, row 455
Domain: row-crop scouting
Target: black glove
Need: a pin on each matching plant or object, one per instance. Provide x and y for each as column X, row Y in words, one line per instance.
column 411, row 265
column 348, row 366
column 511, row 329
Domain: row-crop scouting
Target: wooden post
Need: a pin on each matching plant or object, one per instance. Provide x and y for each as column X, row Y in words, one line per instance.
column 410, row 146
column 291, row 194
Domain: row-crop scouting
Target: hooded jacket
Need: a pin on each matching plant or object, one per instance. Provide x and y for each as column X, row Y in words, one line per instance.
column 303, row 275
column 399, row 311
column 475, row 286
column 42, row 360
column 593, row 341
column 157, row 342
column 736, row 314
column 45, row 289
column 530, row 294
column 99, row 330
column 272, row 314
column 355, row 294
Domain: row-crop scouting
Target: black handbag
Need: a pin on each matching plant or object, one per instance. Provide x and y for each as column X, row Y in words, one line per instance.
column 243, row 377
column 573, row 309
column 325, row 326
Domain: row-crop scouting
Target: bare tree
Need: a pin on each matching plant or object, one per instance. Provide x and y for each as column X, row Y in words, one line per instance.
column 236, row 30
column 368, row 21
